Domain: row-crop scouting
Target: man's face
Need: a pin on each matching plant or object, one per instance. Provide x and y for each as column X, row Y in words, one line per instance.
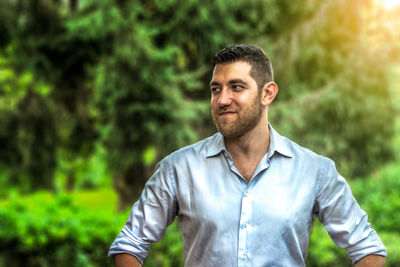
column 235, row 101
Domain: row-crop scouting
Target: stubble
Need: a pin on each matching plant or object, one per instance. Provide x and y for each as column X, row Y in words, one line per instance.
column 247, row 118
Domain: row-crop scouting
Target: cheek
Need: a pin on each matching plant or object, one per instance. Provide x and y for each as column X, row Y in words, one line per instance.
column 214, row 102
column 243, row 100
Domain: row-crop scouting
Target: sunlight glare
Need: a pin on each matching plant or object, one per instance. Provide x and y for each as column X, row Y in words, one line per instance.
column 391, row 4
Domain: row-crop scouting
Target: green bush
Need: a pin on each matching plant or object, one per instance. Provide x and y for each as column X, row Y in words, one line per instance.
column 379, row 197
column 46, row 230
column 168, row 252
column 322, row 250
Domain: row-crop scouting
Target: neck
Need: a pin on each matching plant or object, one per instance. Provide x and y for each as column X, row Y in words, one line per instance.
column 253, row 145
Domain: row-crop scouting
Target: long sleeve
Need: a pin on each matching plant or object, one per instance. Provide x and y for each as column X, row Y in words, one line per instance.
column 345, row 221
column 149, row 216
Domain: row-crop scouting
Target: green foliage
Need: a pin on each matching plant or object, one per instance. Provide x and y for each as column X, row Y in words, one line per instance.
column 150, row 86
column 43, row 92
column 333, row 98
column 382, row 200
column 133, row 74
column 63, row 230
column 28, row 135
column 49, row 231
column 168, row 252
column 75, row 230
column 322, row 251
column 392, row 243
column 89, row 172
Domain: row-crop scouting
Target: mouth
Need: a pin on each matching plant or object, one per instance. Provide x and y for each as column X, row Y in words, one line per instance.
column 226, row 113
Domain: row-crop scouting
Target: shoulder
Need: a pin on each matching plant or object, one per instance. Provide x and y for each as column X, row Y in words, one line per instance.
column 326, row 173
column 196, row 151
column 302, row 153
column 304, row 159
column 318, row 168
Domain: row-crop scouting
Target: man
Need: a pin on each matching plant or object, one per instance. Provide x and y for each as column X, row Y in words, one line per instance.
column 246, row 196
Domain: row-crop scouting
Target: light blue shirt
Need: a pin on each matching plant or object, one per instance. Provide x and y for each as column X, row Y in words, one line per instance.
column 226, row 221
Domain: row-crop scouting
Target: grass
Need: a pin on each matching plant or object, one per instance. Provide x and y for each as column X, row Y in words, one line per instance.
column 102, row 199
column 99, row 199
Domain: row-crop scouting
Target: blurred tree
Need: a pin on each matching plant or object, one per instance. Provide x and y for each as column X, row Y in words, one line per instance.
column 334, row 95
column 148, row 63
column 328, row 102
column 148, row 85
column 27, row 133
column 42, row 126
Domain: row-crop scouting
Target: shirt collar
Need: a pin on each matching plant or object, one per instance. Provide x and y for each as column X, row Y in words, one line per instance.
column 216, row 145
column 278, row 144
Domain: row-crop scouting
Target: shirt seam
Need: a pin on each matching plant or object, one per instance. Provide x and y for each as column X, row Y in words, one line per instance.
column 321, row 174
column 173, row 181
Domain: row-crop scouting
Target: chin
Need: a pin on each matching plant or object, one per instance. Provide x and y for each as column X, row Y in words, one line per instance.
column 230, row 134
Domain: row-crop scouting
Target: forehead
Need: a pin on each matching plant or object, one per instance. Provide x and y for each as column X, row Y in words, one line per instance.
column 234, row 70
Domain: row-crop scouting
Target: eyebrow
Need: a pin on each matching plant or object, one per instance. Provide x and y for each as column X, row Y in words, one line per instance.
column 237, row 81
column 229, row 82
column 214, row 83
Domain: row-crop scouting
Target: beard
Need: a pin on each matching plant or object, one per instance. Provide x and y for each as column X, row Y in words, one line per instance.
column 246, row 120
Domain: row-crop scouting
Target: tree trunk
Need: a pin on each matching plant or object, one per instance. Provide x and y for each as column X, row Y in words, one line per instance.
column 73, row 4
column 70, row 185
column 129, row 184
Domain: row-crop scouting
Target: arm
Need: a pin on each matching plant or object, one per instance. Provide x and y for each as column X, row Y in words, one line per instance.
column 371, row 261
column 149, row 216
column 345, row 221
column 126, row 260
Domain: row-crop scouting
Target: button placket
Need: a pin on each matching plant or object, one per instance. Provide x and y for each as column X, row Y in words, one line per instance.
column 244, row 228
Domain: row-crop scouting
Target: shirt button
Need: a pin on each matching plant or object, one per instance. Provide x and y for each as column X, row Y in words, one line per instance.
column 246, row 194
column 244, row 257
column 245, row 225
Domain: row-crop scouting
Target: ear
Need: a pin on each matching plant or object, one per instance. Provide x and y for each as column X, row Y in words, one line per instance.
column 268, row 93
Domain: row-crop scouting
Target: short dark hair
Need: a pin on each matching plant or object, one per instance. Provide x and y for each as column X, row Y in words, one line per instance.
column 261, row 68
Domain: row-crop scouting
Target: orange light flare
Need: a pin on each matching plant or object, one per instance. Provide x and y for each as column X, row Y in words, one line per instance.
column 389, row 12
column 381, row 30
column 391, row 23
column 390, row 4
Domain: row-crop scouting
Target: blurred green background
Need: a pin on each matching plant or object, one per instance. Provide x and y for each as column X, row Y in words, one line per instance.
column 94, row 92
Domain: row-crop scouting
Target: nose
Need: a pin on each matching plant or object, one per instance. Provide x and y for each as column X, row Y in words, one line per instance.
column 225, row 97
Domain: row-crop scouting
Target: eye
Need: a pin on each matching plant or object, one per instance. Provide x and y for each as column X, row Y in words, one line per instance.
column 215, row 90
column 237, row 87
